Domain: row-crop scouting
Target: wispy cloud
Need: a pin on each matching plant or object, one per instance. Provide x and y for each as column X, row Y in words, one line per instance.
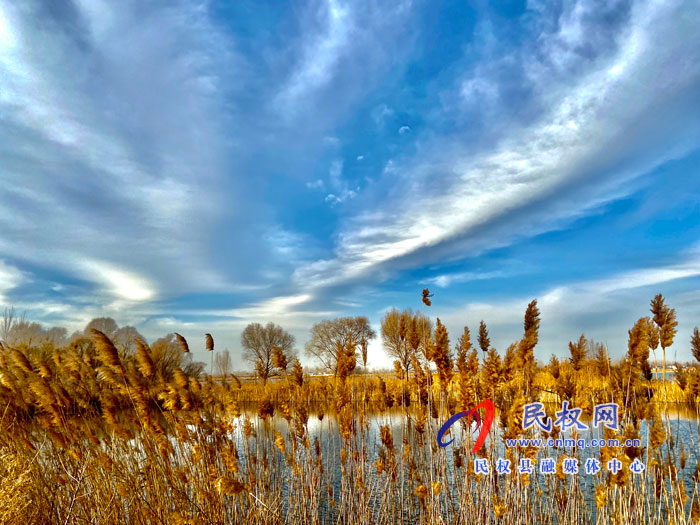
column 321, row 54
column 118, row 282
column 174, row 164
column 443, row 201
column 381, row 113
column 10, row 277
column 445, row 280
column 294, row 312
column 340, row 187
column 116, row 160
column 569, row 309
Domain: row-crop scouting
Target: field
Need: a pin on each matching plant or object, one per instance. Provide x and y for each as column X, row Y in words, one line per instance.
column 96, row 434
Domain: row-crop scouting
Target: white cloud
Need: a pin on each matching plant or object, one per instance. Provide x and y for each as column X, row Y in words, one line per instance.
column 478, row 90
column 445, row 280
column 381, row 113
column 287, row 310
column 7, row 38
column 93, row 102
column 318, row 184
column 10, row 277
column 118, row 282
column 341, row 189
column 603, row 308
column 320, row 56
column 288, row 246
column 585, row 115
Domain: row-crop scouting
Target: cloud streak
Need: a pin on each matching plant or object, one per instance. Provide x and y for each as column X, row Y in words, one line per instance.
column 568, row 310
column 441, row 201
column 116, row 161
column 187, row 162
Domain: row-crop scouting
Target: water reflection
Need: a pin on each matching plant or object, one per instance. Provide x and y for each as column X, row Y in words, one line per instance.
column 682, row 418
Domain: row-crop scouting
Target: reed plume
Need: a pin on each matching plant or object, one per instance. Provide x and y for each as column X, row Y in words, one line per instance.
column 183, row 343
column 146, row 366
column 107, row 352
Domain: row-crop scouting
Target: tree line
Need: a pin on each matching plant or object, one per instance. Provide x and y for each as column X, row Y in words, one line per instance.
column 409, row 338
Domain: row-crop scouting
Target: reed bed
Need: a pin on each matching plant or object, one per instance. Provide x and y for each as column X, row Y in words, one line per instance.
column 91, row 434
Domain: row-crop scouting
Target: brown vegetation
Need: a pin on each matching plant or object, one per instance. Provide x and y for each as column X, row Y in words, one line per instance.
column 95, row 433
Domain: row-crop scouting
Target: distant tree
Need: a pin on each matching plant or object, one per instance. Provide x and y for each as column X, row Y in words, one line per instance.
column 32, row 334
column 401, row 334
column 57, row 335
column 16, row 331
column 106, row 325
column 124, row 337
column 167, row 355
column 8, row 319
column 223, row 364
column 259, row 343
column 329, row 338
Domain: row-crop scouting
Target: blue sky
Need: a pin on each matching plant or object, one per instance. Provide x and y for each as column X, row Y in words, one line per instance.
column 196, row 166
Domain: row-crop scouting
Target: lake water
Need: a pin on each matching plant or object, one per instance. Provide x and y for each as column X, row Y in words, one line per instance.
column 683, row 421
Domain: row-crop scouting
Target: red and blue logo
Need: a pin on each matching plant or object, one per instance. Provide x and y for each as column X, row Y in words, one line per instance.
column 483, row 425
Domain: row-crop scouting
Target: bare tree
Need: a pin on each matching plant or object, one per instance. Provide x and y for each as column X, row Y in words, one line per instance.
column 402, row 336
column 124, row 337
column 7, row 322
column 57, row 335
column 17, row 330
column 106, row 325
column 223, row 364
column 329, row 337
column 29, row 333
column 259, row 342
column 167, row 355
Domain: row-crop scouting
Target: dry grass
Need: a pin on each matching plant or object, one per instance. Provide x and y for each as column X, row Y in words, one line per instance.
column 92, row 436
